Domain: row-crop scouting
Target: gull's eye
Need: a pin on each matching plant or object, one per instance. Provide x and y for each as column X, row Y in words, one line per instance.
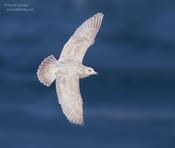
column 89, row 70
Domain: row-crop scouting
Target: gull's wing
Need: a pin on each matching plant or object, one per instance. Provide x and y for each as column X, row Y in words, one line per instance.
column 82, row 38
column 68, row 91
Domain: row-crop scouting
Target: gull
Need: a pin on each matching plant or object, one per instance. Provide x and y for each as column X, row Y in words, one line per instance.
column 68, row 69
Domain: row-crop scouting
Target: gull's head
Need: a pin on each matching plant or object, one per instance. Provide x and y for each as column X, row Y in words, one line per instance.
column 91, row 71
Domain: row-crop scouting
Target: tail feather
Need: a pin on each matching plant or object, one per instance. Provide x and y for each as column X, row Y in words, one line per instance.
column 46, row 70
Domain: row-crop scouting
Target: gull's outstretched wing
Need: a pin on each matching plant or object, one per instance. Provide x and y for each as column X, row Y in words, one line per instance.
column 82, row 38
column 68, row 91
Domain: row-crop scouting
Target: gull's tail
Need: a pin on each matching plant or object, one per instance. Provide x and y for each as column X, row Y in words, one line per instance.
column 46, row 70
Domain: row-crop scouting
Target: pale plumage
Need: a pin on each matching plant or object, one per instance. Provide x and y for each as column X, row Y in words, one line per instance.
column 68, row 69
column 83, row 37
column 68, row 91
column 46, row 70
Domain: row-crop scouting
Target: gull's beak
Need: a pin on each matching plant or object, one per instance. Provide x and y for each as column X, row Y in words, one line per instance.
column 96, row 73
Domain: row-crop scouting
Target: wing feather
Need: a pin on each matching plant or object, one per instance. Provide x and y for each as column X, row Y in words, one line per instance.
column 69, row 96
column 82, row 39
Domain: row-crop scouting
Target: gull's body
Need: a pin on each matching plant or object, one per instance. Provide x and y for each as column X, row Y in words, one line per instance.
column 69, row 68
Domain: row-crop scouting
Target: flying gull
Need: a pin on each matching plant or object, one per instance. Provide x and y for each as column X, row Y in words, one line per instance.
column 69, row 68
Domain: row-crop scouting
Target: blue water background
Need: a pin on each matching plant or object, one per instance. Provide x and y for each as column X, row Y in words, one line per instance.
column 131, row 104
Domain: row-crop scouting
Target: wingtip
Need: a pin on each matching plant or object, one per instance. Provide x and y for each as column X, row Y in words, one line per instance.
column 80, row 122
column 100, row 13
